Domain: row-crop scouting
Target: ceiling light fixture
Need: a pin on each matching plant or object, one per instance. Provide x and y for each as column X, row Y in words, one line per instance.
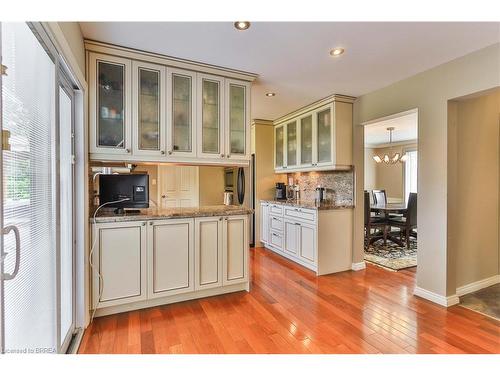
column 270, row 94
column 337, row 51
column 387, row 159
column 242, row 25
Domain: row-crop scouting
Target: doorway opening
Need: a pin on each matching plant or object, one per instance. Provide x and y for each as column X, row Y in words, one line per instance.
column 390, row 191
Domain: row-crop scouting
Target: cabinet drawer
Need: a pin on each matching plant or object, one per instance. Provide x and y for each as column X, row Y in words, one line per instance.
column 305, row 214
column 276, row 240
column 276, row 209
column 276, row 223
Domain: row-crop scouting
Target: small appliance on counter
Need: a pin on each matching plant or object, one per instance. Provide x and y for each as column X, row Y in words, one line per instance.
column 228, row 198
column 320, row 194
column 280, row 191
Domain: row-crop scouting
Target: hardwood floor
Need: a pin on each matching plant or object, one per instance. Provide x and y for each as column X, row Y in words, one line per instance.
column 290, row 310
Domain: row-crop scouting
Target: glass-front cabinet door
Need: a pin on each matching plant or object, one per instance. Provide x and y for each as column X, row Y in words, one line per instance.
column 324, row 136
column 306, row 140
column 279, row 147
column 210, row 116
column 291, row 145
column 237, row 119
column 148, row 91
column 110, row 102
column 181, row 110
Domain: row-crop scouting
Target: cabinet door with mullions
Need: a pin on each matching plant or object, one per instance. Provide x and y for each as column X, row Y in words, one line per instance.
column 110, row 104
column 148, row 89
column 181, row 109
column 291, row 144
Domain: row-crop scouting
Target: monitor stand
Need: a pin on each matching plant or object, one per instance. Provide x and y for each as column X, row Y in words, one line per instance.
column 122, row 211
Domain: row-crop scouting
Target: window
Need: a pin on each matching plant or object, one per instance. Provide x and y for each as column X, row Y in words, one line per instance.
column 411, row 173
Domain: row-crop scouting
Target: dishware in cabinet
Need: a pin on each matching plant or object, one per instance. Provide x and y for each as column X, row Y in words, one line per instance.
column 110, row 104
column 181, row 111
column 210, row 119
column 148, row 100
column 237, row 119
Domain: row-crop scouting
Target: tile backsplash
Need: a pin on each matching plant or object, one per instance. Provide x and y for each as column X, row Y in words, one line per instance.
column 339, row 185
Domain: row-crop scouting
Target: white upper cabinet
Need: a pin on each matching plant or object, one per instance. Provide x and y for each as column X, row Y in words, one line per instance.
column 318, row 137
column 181, row 113
column 291, row 145
column 279, row 147
column 110, row 102
column 148, row 108
column 324, row 137
column 237, row 138
column 211, row 116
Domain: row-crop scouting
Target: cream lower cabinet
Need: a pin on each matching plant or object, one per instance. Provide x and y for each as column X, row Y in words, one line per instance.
column 143, row 261
column 317, row 239
column 264, row 229
column 235, row 250
column 221, row 256
column 208, row 253
column 170, row 257
column 119, row 263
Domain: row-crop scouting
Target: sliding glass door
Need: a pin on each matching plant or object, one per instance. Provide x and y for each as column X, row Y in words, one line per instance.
column 37, row 196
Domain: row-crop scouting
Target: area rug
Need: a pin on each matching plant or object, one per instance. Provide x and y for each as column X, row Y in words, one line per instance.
column 392, row 256
column 485, row 301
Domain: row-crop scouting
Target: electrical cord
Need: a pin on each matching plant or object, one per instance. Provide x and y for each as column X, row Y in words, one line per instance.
column 91, row 261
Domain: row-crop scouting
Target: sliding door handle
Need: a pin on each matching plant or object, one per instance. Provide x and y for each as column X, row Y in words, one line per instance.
column 6, row 230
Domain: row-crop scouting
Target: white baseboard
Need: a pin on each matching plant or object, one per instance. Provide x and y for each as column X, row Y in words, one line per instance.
column 477, row 285
column 436, row 298
column 358, row 266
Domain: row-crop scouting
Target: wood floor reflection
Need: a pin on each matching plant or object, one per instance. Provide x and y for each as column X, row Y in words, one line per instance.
column 290, row 310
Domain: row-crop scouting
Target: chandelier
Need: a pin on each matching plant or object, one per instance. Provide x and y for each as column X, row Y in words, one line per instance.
column 390, row 159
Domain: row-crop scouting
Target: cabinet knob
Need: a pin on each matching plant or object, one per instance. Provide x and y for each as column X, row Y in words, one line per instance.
column 228, row 155
column 143, row 224
column 170, row 152
column 163, row 196
column 127, row 151
column 220, row 218
column 221, row 155
column 162, row 152
column 150, row 223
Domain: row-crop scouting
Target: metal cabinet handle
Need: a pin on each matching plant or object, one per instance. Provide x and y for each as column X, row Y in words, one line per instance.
column 163, row 196
column 143, row 224
column 162, row 152
column 220, row 218
column 170, row 152
column 127, row 151
column 150, row 223
column 228, row 155
column 6, row 230
column 297, row 224
column 221, row 155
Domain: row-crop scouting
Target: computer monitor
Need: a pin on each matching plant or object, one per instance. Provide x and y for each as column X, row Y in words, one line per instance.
column 116, row 187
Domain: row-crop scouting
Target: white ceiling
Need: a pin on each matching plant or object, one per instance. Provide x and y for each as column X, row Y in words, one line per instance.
column 405, row 129
column 292, row 58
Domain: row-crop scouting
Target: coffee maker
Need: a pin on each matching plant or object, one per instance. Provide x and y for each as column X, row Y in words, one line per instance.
column 280, row 193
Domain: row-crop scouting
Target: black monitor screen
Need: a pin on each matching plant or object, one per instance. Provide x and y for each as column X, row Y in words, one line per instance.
column 115, row 187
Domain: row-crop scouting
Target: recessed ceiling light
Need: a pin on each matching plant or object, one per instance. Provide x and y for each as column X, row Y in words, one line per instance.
column 337, row 51
column 242, row 25
column 270, row 94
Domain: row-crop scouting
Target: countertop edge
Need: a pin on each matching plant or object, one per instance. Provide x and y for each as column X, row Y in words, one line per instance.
column 309, row 205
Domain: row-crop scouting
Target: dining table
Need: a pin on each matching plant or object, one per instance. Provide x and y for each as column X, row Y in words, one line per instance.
column 385, row 209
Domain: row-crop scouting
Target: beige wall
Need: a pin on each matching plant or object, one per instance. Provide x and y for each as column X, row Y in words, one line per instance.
column 474, row 152
column 386, row 176
column 265, row 178
column 211, row 186
column 428, row 91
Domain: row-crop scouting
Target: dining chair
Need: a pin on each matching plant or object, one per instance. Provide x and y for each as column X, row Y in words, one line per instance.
column 372, row 222
column 379, row 196
column 407, row 223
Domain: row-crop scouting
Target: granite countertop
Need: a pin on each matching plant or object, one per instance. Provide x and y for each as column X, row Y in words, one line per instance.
column 325, row 205
column 108, row 216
